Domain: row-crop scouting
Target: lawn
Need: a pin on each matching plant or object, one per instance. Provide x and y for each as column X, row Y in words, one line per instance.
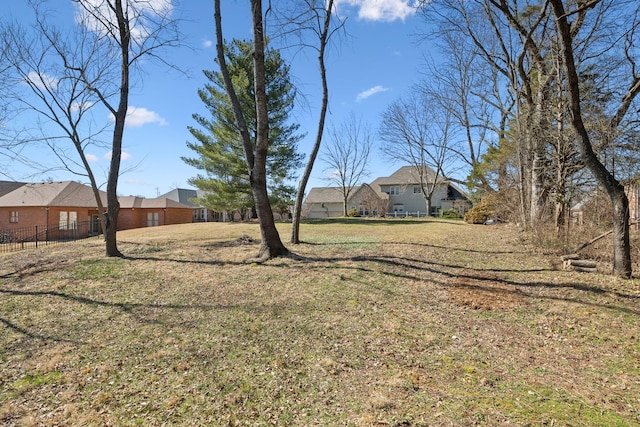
column 372, row 323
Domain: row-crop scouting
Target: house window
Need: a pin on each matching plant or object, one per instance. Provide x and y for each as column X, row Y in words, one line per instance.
column 68, row 220
column 364, row 210
column 398, row 207
column 153, row 219
column 417, row 189
column 394, row 191
column 14, row 216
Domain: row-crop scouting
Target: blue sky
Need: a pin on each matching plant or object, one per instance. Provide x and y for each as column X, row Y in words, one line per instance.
column 377, row 63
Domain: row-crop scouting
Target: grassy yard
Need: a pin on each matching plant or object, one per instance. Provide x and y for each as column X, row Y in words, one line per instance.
column 373, row 323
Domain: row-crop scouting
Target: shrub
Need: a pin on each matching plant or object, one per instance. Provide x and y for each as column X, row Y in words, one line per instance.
column 451, row 214
column 353, row 212
column 484, row 210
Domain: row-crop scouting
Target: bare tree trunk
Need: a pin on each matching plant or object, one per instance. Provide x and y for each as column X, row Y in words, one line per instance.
column 271, row 245
column 113, row 205
column 615, row 190
column 297, row 209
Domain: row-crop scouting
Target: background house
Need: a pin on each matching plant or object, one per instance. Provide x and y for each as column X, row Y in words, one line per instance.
column 69, row 207
column 405, row 193
column 138, row 212
column 328, row 202
column 59, row 205
column 186, row 196
column 398, row 194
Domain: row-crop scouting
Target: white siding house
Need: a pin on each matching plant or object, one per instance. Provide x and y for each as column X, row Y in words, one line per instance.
column 397, row 195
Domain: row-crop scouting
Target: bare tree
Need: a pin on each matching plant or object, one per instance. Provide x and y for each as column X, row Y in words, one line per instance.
column 615, row 190
column 314, row 24
column 461, row 82
column 70, row 73
column 347, row 155
column 416, row 132
column 255, row 156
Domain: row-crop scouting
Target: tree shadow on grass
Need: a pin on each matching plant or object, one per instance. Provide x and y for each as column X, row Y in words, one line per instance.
column 421, row 245
column 388, row 220
column 141, row 312
column 33, row 335
column 449, row 272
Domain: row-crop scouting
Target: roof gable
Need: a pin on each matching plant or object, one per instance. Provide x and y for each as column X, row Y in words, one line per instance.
column 334, row 194
column 406, row 175
column 8, row 186
column 184, row 196
column 63, row 194
column 325, row 195
column 134, row 202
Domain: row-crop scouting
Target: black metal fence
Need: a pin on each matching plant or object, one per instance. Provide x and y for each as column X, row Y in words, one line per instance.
column 20, row 238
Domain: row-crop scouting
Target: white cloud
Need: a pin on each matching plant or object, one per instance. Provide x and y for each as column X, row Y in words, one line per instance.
column 123, row 156
column 81, row 106
column 42, row 81
column 381, row 10
column 142, row 15
column 334, row 174
column 370, row 92
column 140, row 116
column 136, row 181
column 91, row 157
column 207, row 43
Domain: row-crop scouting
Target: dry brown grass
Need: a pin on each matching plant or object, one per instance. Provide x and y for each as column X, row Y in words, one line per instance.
column 402, row 323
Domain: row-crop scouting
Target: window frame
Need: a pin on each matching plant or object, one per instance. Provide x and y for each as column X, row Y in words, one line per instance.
column 63, row 220
column 153, row 219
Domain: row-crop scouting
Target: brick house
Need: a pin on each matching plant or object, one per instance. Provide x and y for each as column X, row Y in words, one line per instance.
column 138, row 212
column 67, row 205
column 188, row 197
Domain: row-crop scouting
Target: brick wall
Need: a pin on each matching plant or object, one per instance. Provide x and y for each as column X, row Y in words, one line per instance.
column 27, row 216
column 128, row 218
column 178, row 216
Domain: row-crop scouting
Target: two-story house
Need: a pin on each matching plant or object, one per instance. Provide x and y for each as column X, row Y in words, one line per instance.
column 400, row 194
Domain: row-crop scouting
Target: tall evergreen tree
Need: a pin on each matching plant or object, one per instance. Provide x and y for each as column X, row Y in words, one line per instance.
column 225, row 177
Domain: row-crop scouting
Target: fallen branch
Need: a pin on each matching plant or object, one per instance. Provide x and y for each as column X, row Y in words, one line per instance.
column 585, row 269
column 595, row 239
column 573, row 262
column 584, row 263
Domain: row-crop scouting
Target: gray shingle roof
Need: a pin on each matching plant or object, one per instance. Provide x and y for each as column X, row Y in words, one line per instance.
column 406, row 175
column 66, row 193
column 74, row 194
column 155, row 203
column 184, row 196
column 9, row 186
column 325, row 195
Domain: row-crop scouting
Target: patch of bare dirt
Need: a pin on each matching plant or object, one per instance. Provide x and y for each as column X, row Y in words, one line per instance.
column 483, row 291
column 240, row 241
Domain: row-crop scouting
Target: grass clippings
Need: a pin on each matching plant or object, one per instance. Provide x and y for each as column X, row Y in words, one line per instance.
column 372, row 322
